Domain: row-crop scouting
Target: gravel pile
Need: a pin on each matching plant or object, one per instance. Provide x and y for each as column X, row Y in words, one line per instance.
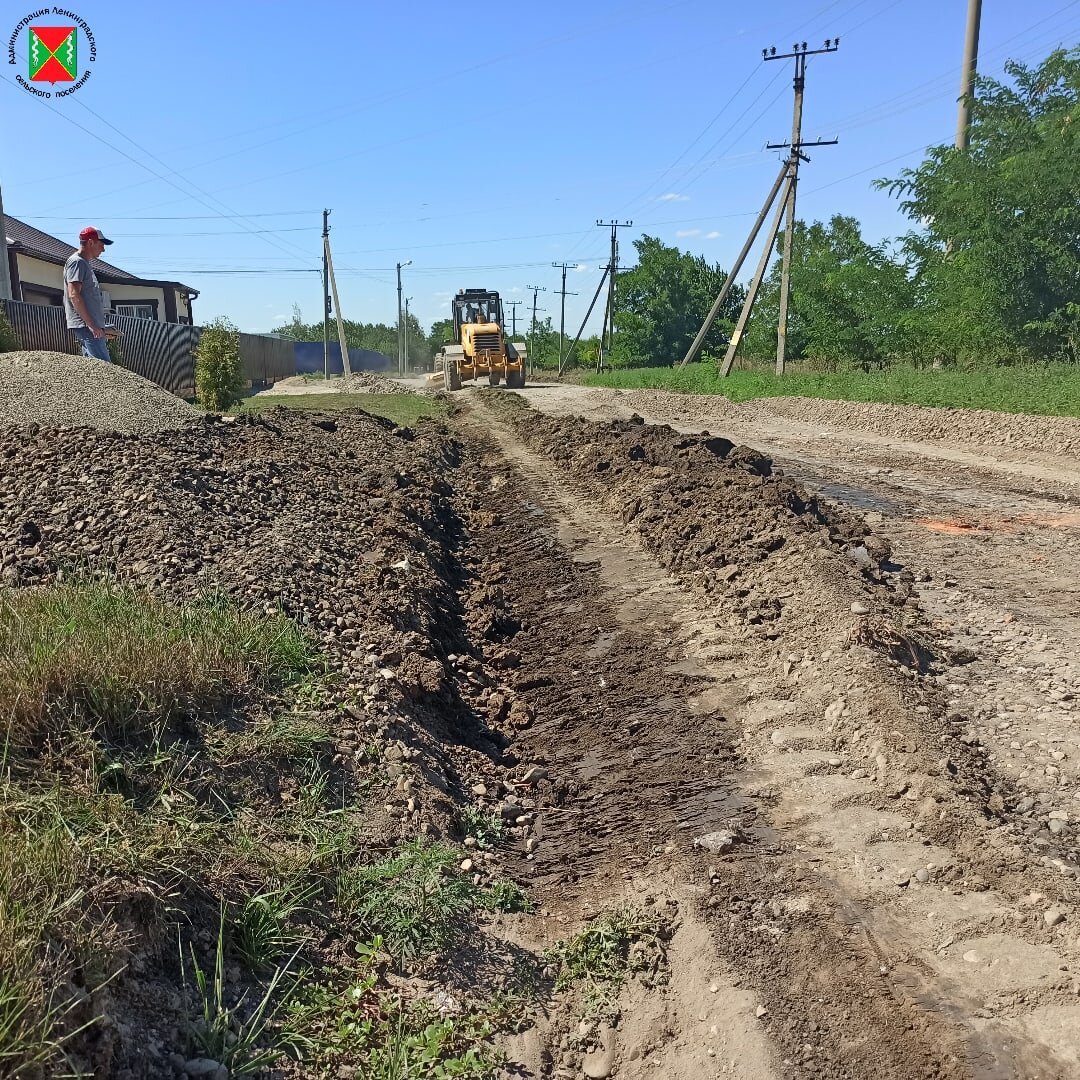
column 912, row 423
column 367, row 382
column 56, row 390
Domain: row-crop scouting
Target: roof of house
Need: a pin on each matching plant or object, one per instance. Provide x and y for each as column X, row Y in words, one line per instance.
column 26, row 238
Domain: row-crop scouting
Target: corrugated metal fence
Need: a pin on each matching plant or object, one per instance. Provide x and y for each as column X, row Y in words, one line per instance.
column 160, row 352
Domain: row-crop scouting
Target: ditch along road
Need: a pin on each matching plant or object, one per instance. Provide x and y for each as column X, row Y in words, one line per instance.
column 826, row 717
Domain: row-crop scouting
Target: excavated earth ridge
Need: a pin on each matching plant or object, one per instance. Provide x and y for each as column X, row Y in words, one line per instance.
column 493, row 663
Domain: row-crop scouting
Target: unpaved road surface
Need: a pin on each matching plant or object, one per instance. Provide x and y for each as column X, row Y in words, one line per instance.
column 807, row 696
column 901, row 899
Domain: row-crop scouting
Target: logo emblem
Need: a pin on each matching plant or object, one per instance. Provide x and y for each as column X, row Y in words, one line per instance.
column 53, row 54
column 58, row 62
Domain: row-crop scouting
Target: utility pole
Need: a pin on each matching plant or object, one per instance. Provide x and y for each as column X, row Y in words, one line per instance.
column 967, row 75
column 562, row 308
column 513, row 306
column 346, row 369
column 532, row 326
column 612, row 269
column 406, row 327
column 799, row 53
column 326, row 296
column 564, row 360
column 400, row 324
column 5, row 275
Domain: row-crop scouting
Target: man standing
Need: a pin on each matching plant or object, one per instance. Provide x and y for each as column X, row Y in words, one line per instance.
column 83, row 304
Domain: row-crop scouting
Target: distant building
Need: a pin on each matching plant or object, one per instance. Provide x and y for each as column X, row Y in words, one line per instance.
column 36, row 261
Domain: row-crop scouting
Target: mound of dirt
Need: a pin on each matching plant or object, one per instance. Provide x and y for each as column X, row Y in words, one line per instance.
column 368, row 382
column 56, row 390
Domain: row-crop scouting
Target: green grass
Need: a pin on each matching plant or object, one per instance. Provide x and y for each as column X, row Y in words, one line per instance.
column 96, row 654
column 1046, row 390
column 403, row 409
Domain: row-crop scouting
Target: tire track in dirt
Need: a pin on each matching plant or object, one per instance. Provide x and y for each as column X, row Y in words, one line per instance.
column 866, row 965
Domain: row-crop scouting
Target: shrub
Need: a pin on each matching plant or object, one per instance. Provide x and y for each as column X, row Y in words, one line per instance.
column 8, row 341
column 219, row 371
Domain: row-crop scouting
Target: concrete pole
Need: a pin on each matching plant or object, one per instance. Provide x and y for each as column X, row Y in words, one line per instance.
column 967, row 74
column 325, row 297
column 5, row 274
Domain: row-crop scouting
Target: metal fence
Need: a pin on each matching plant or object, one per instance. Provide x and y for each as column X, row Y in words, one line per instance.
column 160, row 352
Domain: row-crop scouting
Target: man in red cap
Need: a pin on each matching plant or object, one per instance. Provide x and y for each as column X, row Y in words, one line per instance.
column 83, row 303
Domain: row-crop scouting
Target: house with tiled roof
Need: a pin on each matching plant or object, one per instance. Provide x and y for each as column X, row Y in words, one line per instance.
column 36, row 263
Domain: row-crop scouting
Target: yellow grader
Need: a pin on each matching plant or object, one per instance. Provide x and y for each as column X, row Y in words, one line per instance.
column 480, row 345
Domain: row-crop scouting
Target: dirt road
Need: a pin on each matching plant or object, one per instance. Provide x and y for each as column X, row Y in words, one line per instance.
column 896, row 886
column 804, row 700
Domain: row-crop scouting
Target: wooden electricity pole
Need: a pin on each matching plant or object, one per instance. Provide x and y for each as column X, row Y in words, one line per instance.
column 612, row 270
column 799, row 53
column 784, row 186
column 562, row 306
column 967, row 76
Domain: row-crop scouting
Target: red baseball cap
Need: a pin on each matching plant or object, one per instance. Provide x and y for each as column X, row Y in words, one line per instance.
column 90, row 233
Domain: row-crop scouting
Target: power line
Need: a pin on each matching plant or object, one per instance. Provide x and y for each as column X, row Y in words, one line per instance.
column 171, row 217
column 128, row 156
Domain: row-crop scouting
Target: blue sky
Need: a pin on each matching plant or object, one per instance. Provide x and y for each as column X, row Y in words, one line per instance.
column 481, row 142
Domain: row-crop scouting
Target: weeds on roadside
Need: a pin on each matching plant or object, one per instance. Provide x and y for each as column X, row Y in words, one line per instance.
column 417, row 900
column 244, row 1040
column 506, row 896
column 384, row 1036
column 263, row 930
column 486, row 828
column 600, row 956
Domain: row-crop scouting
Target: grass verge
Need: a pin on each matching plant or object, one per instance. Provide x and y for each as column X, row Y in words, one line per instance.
column 107, row 656
column 404, row 409
column 1045, row 390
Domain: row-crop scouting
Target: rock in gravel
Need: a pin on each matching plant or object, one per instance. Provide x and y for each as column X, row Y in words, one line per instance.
column 55, row 390
column 203, row 1067
column 859, row 608
column 721, row 841
column 1052, row 917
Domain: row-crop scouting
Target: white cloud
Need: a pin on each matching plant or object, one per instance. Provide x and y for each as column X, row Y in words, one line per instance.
column 683, row 233
column 671, row 196
column 581, row 268
column 714, row 235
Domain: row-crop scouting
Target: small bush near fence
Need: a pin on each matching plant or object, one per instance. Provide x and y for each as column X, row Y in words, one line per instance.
column 219, row 371
column 8, row 341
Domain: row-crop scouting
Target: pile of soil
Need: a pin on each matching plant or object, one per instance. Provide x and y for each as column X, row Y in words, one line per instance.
column 62, row 391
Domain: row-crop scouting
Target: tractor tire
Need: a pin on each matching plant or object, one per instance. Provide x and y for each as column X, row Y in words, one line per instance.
column 515, row 380
column 493, row 377
column 453, row 377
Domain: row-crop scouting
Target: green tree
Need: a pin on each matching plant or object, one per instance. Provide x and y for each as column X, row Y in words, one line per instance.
column 996, row 259
column 543, row 341
column 377, row 337
column 662, row 302
column 219, row 371
column 848, row 304
column 442, row 333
